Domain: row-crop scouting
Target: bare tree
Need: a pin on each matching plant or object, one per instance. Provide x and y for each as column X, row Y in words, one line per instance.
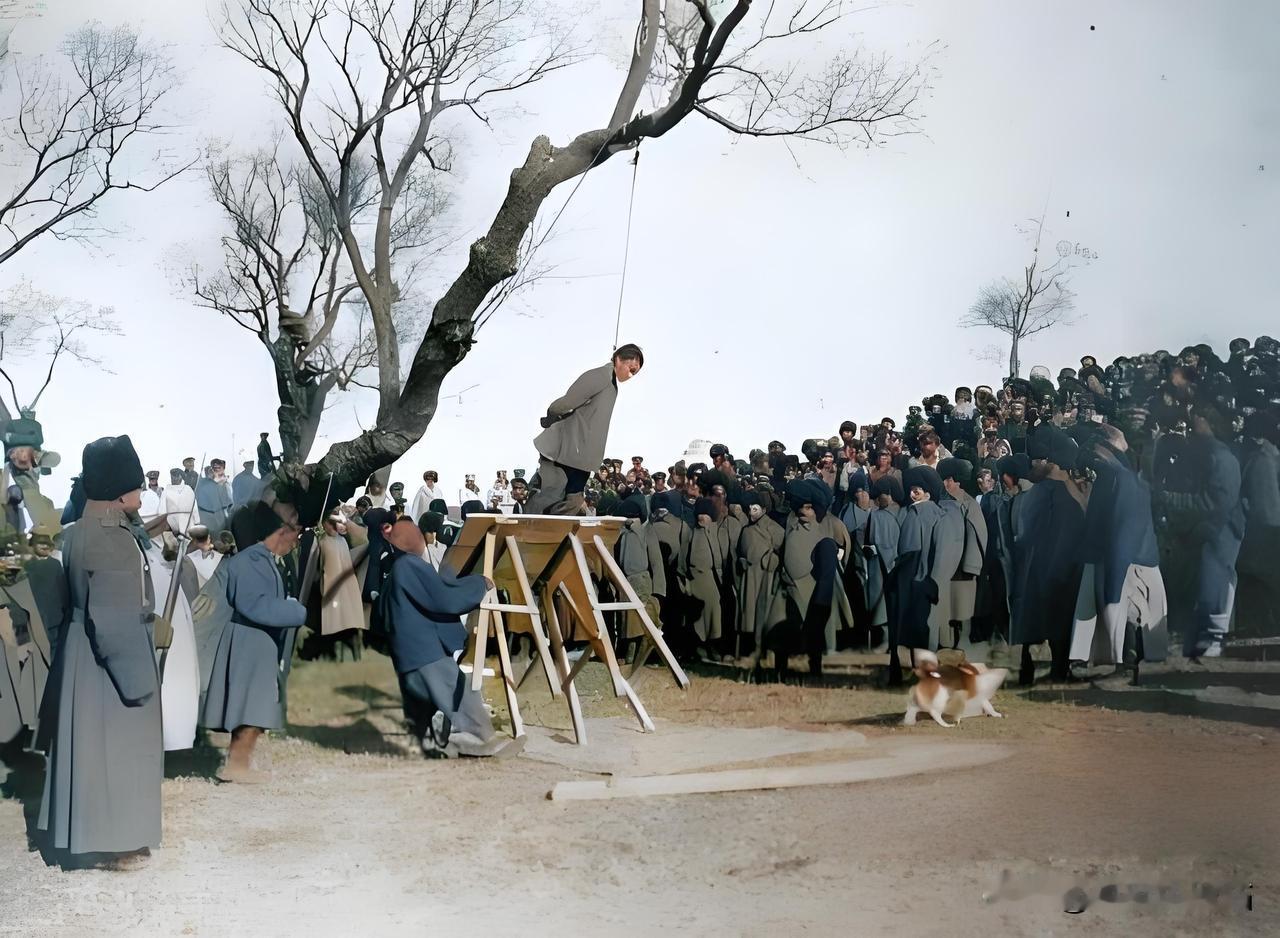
column 1040, row 300
column 73, row 128
column 284, row 278
column 34, row 324
column 432, row 57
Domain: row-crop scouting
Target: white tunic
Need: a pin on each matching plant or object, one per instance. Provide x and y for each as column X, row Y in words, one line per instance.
column 180, row 504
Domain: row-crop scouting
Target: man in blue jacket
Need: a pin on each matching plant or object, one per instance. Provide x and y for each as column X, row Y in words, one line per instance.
column 422, row 612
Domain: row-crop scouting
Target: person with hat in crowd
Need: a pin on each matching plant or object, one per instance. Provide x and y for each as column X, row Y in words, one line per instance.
column 180, row 509
column 575, row 430
column 470, row 491
column 703, row 566
column 1048, row 568
column 189, row 474
column 244, row 690
column 1217, row 526
column 25, row 461
column 424, row 622
column 266, row 460
column 519, row 493
column 431, row 524
column 667, row 528
column 955, row 473
column 338, row 591
column 213, row 497
column 639, row 557
column 879, row 549
column 1258, row 599
column 101, row 726
column 758, row 560
column 810, row 605
column 152, row 497
column 246, row 486
column 1121, row 583
column 428, row 492
column 918, row 578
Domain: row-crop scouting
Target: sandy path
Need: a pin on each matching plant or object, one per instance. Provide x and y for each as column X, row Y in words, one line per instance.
column 346, row 844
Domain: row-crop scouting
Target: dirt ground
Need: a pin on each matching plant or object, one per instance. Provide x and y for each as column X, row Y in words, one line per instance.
column 355, row 836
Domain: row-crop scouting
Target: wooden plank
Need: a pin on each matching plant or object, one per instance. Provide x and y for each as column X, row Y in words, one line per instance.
column 561, row 659
column 508, row 679
column 899, row 763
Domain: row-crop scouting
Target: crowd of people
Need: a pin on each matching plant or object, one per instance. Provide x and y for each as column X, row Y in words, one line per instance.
column 1092, row 517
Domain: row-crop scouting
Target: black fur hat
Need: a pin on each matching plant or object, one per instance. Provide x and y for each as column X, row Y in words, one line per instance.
column 111, row 468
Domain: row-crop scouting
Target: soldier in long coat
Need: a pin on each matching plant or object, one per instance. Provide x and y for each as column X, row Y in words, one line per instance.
column 808, row 605
column 102, row 727
column 703, row 565
column 1047, row 537
column 575, row 431
column 759, row 558
column 880, row 551
column 244, row 689
column 668, row 530
column 917, row 581
column 964, row 582
column 640, row 558
column 341, row 610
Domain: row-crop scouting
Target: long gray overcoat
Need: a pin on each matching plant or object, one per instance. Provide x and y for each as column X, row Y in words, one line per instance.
column 244, row 686
column 101, row 722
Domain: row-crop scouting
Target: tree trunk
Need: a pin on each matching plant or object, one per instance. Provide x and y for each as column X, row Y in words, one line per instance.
column 1013, row 358
column 302, row 398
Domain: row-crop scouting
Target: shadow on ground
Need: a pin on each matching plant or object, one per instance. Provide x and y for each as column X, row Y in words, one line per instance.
column 1153, row 698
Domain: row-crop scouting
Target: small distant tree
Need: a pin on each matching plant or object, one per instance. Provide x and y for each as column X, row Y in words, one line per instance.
column 1020, row 308
column 79, row 130
column 34, row 324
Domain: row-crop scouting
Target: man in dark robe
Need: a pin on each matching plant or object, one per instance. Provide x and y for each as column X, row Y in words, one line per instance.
column 1216, row 520
column 1047, row 576
column 101, row 724
column 189, row 474
column 879, row 550
column 1258, row 604
column 1121, row 583
column 423, row 609
column 955, row 473
column 575, row 431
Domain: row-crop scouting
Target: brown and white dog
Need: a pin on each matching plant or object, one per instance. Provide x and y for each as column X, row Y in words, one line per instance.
column 964, row 689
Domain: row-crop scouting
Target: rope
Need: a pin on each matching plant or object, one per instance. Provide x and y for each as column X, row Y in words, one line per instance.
column 626, row 251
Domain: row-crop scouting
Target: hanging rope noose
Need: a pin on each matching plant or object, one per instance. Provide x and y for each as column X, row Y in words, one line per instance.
column 626, row 251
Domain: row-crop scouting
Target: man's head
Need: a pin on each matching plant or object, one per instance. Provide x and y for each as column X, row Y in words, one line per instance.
column 153, row 479
column 637, row 462
column 263, row 436
column 404, row 535
column 189, row 464
column 431, row 477
column 954, row 472
column 218, row 465
column 627, row 361
column 519, row 491
column 175, row 476
column 929, row 443
column 986, row 481
column 848, row 431
column 1207, row 420
column 247, row 465
column 397, row 490
column 659, row 481
column 431, row 524
column 470, row 480
column 776, row 448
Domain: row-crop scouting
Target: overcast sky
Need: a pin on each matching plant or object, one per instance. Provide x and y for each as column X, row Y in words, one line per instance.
column 772, row 300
